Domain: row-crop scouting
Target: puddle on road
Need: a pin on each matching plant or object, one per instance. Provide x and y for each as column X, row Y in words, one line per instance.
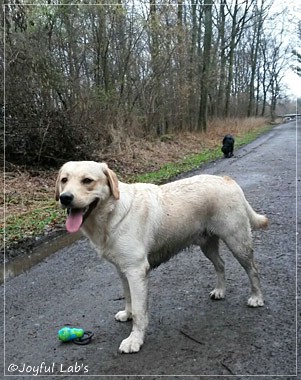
column 23, row 263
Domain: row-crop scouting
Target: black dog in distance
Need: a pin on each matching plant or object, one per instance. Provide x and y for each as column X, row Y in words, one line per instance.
column 228, row 146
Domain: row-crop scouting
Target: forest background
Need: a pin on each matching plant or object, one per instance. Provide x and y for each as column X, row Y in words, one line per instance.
column 135, row 83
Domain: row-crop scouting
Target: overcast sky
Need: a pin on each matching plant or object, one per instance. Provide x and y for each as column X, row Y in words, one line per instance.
column 293, row 7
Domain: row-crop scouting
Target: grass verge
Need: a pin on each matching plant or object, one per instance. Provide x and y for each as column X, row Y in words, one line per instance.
column 32, row 223
column 195, row 160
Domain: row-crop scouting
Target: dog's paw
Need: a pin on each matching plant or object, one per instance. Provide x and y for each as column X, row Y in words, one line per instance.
column 130, row 345
column 217, row 294
column 255, row 301
column 123, row 316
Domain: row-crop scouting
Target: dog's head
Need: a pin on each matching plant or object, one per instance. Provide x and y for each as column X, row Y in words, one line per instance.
column 80, row 186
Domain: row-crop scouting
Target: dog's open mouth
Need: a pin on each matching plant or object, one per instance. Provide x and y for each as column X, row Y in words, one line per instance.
column 77, row 216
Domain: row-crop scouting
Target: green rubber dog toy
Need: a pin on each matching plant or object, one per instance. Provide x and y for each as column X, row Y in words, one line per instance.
column 67, row 334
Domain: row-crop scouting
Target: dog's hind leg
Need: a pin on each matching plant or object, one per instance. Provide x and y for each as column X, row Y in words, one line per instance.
column 241, row 247
column 210, row 247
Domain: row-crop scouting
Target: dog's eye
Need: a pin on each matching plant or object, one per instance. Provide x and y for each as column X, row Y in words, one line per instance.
column 64, row 180
column 86, row 181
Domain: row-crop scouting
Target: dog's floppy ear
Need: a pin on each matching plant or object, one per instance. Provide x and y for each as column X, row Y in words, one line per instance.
column 57, row 183
column 113, row 181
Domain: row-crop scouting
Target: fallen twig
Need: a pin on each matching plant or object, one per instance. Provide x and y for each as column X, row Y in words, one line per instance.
column 118, row 299
column 190, row 337
column 227, row 368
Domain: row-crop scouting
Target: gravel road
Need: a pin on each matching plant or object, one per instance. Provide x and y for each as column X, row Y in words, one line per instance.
column 188, row 334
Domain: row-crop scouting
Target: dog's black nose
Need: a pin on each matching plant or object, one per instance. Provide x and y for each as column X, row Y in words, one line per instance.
column 66, row 198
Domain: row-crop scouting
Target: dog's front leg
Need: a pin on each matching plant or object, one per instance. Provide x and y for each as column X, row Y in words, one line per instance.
column 126, row 314
column 137, row 280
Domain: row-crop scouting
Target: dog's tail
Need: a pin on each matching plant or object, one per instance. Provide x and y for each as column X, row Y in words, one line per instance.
column 257, row 221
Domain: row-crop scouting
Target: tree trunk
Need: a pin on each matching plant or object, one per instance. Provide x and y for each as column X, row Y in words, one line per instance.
column 231, row 61
column 203, row 110
column 223, row 61
column 254, row 56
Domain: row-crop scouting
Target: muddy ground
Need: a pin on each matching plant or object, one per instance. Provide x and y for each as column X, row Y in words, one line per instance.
column 188, row 334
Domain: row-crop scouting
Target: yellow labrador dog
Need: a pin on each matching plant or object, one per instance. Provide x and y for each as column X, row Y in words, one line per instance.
column 138, row 226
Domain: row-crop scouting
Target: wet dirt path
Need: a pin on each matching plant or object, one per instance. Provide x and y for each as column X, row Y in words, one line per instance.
column 188, row 334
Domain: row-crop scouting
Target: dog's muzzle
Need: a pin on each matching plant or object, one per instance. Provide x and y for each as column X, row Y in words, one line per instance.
column 75, row 216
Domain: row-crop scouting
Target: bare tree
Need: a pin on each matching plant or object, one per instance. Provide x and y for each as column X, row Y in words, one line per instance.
column 297, row 65
column 206, row 65
column 239, row 18
column 88, row 75
column 260, row 13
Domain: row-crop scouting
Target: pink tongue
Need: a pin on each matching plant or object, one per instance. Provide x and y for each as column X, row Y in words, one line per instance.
column 74, row 220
